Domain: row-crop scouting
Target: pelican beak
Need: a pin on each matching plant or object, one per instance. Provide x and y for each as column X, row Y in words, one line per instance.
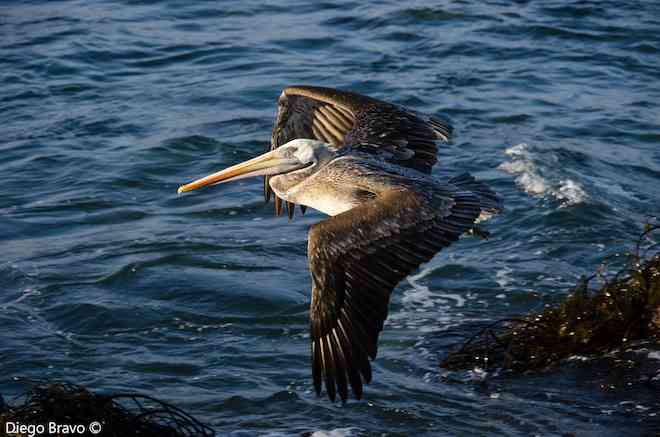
column 266, row 164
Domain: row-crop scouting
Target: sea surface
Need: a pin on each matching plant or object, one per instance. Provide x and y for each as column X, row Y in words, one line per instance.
column 110, row 279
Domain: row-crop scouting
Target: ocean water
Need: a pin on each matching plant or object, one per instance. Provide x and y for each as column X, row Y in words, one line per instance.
column 110, row 279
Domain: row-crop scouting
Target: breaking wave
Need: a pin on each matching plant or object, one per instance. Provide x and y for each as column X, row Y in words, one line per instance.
column 532, row 177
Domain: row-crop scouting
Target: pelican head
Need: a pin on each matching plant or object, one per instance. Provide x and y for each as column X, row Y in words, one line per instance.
column 291, row 157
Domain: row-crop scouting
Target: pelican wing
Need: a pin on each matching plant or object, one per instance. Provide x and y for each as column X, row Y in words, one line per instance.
column 357, row 258
column 346, row 119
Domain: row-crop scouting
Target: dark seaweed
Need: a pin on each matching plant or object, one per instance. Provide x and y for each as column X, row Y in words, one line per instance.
column 623, row 310
column 120, row 414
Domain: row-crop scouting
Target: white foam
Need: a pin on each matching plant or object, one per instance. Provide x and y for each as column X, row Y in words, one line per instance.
column 654, row 355
column 503, row 277
column 570, row 192
column 421, row 294
column 530, row 176
column 421, row 306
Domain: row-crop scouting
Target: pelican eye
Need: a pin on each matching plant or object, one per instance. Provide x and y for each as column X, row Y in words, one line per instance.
column 288, row 152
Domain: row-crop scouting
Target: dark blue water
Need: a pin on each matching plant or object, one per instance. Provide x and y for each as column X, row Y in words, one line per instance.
column 110, row 279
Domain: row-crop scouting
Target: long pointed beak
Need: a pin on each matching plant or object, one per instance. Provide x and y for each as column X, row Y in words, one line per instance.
column 264, row 164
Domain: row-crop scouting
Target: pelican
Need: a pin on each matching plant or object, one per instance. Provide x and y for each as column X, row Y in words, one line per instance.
column 367, row 164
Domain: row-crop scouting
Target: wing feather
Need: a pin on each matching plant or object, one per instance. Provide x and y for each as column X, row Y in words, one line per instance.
column 350, row 120
column 356, row 259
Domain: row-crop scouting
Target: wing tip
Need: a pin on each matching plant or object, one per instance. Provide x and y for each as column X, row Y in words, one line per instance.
column 442, row 129
column 490, row 201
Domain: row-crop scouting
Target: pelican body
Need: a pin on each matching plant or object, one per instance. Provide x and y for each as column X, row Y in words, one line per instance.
column 367, row 164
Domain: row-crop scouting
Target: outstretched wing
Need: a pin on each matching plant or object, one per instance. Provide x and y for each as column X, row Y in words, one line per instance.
column 344, row 119
column 356, row 259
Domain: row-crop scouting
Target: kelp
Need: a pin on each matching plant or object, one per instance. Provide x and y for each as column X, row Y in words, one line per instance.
column 590, row 322
column 119, row 414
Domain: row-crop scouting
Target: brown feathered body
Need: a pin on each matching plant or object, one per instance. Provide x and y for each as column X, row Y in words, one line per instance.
column 367, row 164
column 388, row 217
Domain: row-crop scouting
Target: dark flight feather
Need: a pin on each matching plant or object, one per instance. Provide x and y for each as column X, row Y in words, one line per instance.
column 357, row 258
column 346, row 119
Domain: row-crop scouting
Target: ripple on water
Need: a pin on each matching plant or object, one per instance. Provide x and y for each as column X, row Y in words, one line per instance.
column 111, row 278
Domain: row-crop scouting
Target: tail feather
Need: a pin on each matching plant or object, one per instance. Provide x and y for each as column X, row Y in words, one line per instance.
column 490, row 202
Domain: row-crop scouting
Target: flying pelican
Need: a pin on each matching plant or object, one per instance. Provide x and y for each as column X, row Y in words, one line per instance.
column 367, row 164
